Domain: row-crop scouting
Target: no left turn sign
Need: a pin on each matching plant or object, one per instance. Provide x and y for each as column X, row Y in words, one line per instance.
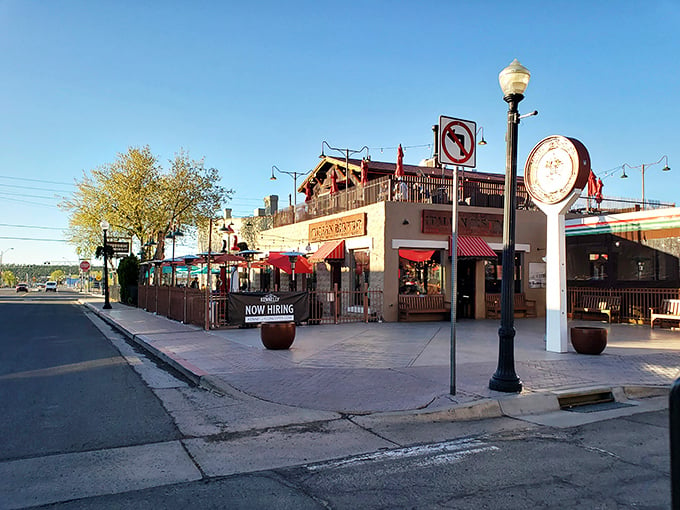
column 457, row 142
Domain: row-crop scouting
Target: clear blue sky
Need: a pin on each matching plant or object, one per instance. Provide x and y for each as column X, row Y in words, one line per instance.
column 250, row 85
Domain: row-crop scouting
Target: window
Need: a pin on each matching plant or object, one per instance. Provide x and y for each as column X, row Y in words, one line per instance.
column 420, row 272
column 493, row 274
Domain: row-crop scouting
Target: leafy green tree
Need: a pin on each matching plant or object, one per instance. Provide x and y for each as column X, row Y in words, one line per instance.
column 142, row 201
column 9, row 279
column 57, row 276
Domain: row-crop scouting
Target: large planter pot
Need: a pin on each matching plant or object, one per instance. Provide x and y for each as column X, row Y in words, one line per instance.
column 277, row 335
column 588, row 340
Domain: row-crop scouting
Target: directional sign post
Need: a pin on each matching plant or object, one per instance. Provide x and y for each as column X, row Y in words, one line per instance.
column 457, row 140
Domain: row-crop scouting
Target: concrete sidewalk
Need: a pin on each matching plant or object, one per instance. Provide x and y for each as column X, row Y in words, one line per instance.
column 387, row 367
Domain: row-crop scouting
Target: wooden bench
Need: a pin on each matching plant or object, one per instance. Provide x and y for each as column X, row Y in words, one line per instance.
column 522, row 305
column 423, row 306
column 669, row 310
column 600, row 305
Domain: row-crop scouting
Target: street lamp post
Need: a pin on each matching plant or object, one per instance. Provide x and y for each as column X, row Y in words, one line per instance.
column 347, row 153
column 513, row 80
column 175, row 233
column 294, row 175
column 643, row 167
column 107, row 304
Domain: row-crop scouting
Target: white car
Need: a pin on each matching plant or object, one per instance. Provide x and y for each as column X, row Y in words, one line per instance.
column 51, row 287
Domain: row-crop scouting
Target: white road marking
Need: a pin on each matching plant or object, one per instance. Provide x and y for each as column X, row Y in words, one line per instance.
column 448, row 451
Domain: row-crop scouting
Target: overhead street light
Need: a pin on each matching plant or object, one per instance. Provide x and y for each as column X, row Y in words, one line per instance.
column 644, row 167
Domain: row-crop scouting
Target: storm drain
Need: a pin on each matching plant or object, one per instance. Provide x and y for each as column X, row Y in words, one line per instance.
column 590, row 402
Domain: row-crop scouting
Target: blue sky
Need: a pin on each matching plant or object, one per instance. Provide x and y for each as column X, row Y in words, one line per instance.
column 249, row 87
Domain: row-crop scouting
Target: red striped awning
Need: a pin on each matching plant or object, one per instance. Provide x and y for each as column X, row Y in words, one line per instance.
column 472, row 246
column 329, row 250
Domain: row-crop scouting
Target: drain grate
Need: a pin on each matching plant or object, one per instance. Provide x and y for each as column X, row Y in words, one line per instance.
column 594, row 408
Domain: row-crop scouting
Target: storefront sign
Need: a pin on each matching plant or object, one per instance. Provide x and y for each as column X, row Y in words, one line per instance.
column 256, row 307
column 477, row 224
column 338, row 228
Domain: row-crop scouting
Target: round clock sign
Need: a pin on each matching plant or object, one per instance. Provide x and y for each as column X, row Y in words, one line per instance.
column 556, row 166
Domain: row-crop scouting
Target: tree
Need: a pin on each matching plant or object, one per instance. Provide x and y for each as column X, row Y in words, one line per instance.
column 128, row 277
column 142, row 201
column 57, row 276
column 8, row 278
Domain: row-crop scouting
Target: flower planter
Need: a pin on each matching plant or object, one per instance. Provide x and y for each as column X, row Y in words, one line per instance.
column 588, row 340
column 277, row 335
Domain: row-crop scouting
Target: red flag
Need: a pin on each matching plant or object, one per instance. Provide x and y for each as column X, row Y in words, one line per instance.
column 364, row 171
column 399, row 172
column 592, row 184
column 598, row 191
column 334, row 183
column 308, row 191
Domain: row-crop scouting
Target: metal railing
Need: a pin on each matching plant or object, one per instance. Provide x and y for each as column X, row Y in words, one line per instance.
column 188, row 305
column 344, row 306
column 472, row 191
column 635, row 302
column 412, row 188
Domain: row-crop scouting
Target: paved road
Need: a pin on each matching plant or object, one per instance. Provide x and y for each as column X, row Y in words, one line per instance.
column 620, row 463
column 102, row 449
column 64, row 387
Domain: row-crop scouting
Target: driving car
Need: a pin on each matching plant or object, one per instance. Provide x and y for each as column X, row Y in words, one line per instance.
column 51, row 287
column 22, row 287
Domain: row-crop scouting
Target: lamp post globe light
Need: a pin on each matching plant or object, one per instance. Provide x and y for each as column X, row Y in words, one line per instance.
column 513, row 80
column 107, row 304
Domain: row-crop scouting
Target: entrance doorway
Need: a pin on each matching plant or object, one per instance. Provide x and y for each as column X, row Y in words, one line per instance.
column 466, row 289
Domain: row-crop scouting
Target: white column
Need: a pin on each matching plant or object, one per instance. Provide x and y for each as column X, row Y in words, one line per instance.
column 556, row 333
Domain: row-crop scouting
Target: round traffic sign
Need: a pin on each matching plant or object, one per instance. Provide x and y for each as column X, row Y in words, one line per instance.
column 85, row 265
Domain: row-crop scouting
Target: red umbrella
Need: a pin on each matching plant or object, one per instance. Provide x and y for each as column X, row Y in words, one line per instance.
column 364, row 172
column 308, row 191
column 278, row 259
column 598, row 191
column 592, row 184
column 399, row 172
column 334, row 183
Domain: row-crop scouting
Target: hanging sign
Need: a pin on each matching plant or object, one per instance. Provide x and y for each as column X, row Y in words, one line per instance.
column 257, row 307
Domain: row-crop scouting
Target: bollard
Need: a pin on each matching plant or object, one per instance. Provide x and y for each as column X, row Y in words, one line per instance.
column 674, row 412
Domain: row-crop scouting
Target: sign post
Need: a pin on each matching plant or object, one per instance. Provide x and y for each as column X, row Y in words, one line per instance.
column 456, row 146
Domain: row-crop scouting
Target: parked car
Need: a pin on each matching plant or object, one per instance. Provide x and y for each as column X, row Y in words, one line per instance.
column 51, row 287
column 22, row 287
column 41, row 286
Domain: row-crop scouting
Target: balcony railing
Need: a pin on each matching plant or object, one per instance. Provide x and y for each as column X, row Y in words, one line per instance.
column 472, row 191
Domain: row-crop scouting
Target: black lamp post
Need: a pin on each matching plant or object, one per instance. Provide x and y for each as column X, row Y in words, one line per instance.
column 295, row 176
column 513, row 80
column 107, row 304
column 174, row 234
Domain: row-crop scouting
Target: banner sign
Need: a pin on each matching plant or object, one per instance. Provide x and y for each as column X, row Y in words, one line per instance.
column 257, row 307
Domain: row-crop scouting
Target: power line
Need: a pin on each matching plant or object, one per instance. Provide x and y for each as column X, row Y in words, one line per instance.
column 31, row 226
column 34, row 239
column 36, row 180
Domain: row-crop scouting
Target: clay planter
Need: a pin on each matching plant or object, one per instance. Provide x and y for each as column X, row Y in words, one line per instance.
column 277, row 335
column 588, row 340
